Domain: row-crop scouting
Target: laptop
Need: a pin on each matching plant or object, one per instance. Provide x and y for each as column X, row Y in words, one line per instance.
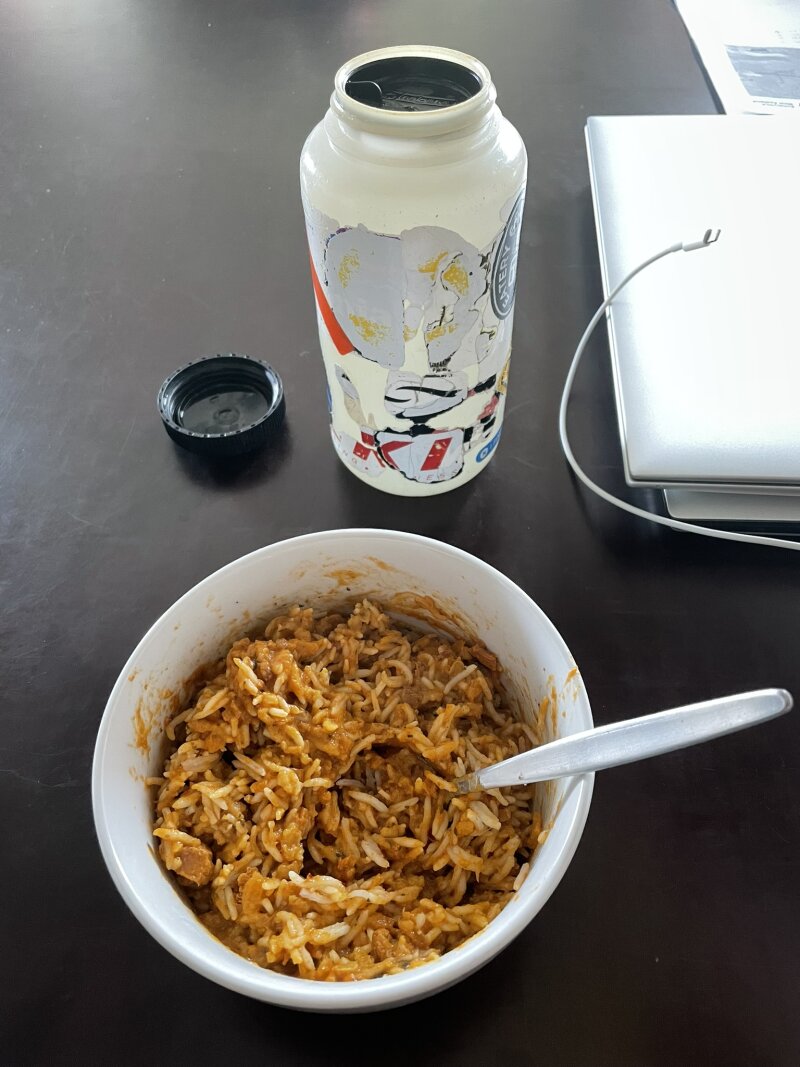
column 705, row 346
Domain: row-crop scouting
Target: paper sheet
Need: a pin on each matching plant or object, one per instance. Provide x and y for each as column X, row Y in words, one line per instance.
column 751, row 51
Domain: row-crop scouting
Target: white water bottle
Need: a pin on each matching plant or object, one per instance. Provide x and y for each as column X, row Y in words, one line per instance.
column 413, row 187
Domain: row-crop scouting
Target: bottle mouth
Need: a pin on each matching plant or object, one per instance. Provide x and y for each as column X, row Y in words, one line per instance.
column 412, row 83
column 422, row 87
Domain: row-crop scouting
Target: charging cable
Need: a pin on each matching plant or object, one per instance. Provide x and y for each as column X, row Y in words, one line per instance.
column 709, row 237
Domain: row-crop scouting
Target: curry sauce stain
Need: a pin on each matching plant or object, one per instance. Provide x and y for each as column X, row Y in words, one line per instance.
column 541, row 717
column 573, row 685
column 381, row 564
column 196, row 681
column 549, row 796
column 428, row 610
column 343, row 576
column 141, row 730
column 553, row 712
column 153, row 710
column 145, row 717
column 171, row 699
column 548, row 715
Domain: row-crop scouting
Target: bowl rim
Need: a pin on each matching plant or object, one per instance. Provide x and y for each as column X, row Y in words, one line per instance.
column 242, row 976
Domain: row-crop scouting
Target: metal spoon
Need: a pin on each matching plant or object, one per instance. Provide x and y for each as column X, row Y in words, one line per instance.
column 632, row 739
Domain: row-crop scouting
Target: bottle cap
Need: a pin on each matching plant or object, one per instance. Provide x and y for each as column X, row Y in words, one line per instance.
column 222, row 406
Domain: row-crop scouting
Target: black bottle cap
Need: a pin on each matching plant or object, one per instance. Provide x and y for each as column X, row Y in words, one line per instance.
column 222, row 405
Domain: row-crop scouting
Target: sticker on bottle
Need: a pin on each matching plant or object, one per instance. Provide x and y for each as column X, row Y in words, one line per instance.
column 419, row 325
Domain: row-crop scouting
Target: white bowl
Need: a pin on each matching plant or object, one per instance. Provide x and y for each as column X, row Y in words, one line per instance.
column 323, row 569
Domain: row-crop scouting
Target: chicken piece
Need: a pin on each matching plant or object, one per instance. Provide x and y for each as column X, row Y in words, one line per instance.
column 196, row 864
column 382, row 946
column 484, row 656
column 251, row 893
column 345, row 868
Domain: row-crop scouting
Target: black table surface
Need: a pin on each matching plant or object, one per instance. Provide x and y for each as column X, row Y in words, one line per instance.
column 150, row 214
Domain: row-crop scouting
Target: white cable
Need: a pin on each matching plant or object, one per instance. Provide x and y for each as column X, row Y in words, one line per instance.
column 709, row 238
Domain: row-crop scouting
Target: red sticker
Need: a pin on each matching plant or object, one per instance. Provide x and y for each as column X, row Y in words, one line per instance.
column 437, row 453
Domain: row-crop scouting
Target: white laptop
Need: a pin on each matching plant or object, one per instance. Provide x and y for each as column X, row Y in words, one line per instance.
column 705, row 345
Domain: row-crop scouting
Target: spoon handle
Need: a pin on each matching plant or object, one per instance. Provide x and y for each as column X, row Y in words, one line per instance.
column 633, row 739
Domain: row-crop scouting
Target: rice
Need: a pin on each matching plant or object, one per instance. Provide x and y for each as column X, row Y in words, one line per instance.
column 314, row 828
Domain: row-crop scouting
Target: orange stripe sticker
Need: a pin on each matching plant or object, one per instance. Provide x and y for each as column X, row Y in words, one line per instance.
column 338, row 336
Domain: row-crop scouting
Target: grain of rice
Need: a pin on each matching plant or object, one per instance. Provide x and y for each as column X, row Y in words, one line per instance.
column 365, row 798
column 402, row 667
column 176, row 835
column 437, row 779
column 523, row 874
column 462, row 858
column 248, row 764
column 230, row 904
column 389, row 707
column 199, row 763
column 355, row 929
column 176, row 721
column 439, row 825
column 407, row 842
column 485, row 814
column 330, row 933
column 487, row 692
column 373, row 852
column 459, row 678
column 348, row 841
column 213, row 704
column 317, row 898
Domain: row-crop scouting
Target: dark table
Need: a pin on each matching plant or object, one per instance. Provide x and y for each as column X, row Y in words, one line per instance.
column 149, row 214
